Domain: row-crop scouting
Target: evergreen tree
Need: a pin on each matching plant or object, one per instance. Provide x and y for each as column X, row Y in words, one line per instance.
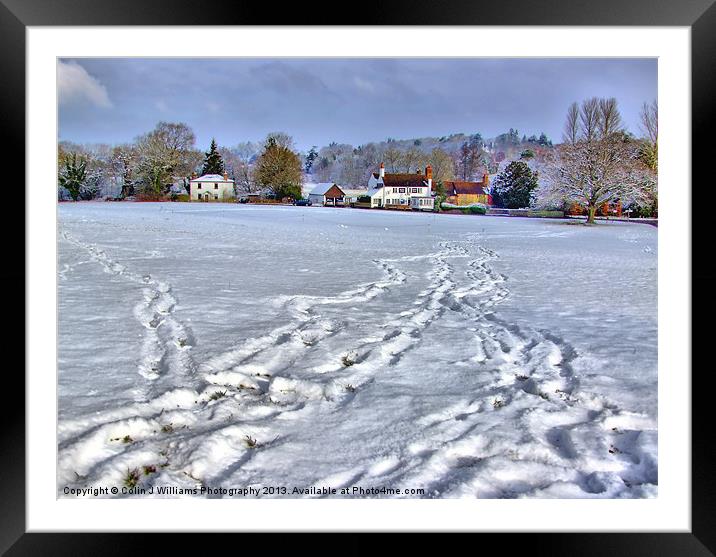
column 213, row 163
column 513, row 188
column 544, row 140
column 310, row 158
column 73, row 175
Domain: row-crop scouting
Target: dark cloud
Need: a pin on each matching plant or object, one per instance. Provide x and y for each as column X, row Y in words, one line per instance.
column 319, row 100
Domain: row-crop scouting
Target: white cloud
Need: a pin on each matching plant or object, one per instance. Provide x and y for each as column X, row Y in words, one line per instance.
column 74, row 84
column 161, row 105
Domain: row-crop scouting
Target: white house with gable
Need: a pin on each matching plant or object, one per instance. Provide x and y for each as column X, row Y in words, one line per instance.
column 211, row 187
column 401, row 190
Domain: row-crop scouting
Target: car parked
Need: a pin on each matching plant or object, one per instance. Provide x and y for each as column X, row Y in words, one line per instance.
column 303, row 202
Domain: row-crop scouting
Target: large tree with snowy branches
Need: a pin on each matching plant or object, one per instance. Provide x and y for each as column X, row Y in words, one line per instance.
column 598, row 162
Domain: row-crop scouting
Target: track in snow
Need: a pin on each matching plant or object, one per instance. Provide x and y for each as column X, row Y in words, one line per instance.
column 194, row 436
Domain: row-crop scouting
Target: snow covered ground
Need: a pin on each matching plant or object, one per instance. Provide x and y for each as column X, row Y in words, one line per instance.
column 296, row 347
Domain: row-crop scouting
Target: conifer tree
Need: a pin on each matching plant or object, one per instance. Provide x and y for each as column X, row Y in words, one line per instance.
column 213, row 163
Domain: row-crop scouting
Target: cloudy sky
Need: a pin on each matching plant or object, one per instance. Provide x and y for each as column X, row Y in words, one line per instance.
column 319, row 100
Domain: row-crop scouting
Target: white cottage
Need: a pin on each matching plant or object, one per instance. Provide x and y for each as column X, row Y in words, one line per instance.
column 401, row 191
column 211, row 187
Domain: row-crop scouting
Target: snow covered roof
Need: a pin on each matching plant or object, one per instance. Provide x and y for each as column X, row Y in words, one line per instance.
column 210, row 178
column 322, row 188
column 354, row 192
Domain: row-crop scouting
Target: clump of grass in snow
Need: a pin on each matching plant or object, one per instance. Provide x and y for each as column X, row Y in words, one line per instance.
column 521, row 377
column 349, row 359
column 216, row 395
column 131, row 478
column 150, row 469
column 126, row 439
column 251, row 443
column 350, row 388
column 497, row 403
column 167, row 428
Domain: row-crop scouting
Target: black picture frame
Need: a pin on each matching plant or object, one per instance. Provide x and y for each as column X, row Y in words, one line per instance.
column 699, row 15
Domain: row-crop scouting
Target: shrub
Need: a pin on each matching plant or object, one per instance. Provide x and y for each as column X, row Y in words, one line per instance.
column 216, row 395
column 131, row 478
column 477, row 210
column 363, row 199
column 182, row 197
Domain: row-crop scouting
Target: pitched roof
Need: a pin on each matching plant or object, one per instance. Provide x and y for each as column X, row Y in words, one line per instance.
column 210, row 178
column 464, row 188
column 322, row 188
column 405, row 180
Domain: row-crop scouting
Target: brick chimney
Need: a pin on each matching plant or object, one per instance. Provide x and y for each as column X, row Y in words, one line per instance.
column 193, row 175
column 485, row 179
column 382, row 170
column 429, row 175
column 226, row 176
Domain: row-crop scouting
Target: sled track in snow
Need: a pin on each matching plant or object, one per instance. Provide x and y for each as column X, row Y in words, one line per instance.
column 201, row 437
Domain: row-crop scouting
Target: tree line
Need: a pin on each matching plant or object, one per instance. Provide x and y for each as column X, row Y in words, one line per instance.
column 160, row 162
column 598, row 162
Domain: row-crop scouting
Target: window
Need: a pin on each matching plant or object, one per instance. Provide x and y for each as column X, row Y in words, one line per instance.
column 198, row 186
column 401, row 190
column 216, row 196
column 216, row 186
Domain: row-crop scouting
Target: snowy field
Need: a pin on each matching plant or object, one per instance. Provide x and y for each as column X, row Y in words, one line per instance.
column 297, row 347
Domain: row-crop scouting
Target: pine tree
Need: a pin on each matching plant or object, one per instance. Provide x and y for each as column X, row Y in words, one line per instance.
column 514, row 186
column 310, row 158
column 213, row 163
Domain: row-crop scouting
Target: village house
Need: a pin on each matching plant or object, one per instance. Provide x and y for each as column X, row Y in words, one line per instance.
column 468, row 193
column 211, row 187
column 326, row 193
column 401, row 191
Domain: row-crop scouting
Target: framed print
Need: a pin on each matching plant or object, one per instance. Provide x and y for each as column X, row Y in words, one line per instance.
column 403, row 273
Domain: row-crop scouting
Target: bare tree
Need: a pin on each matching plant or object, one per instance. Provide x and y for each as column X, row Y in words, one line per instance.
column 281, row 139
column 165, row 153
column 571, row 126
column 650, row 121
column 413, row 159
column 650, row 130
column 393, row 159
column 610, row 120
column 601, row 166
column 589, row 119
column 443, row 165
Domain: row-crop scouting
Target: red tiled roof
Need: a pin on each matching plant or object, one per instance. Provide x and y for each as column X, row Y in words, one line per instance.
column 405, row 180
column 464, row 188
